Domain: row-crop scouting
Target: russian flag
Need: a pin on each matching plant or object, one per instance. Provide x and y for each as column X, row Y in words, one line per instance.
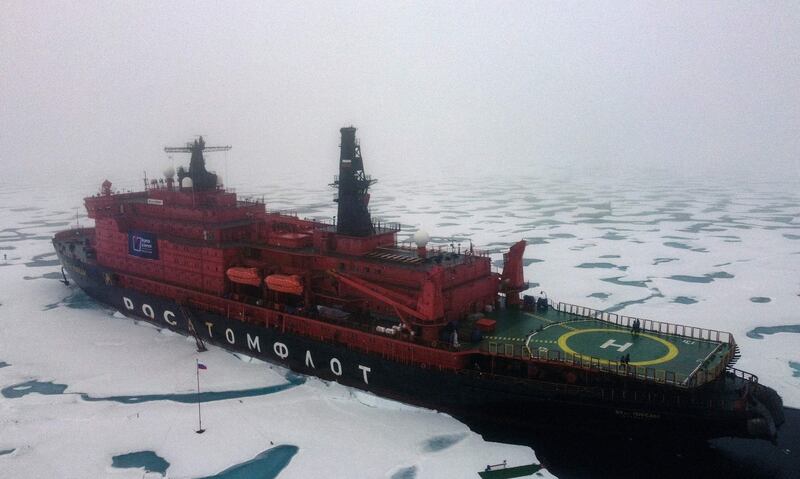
column 201, row 366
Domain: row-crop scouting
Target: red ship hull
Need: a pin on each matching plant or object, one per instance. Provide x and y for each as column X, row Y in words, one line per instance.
column 470, row 395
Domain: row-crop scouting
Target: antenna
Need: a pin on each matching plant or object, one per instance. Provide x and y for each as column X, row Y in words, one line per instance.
column 201, row 178
column 227, row 178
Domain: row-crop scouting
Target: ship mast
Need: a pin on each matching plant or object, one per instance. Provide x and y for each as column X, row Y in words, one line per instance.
column 201, row 178
column 353, row 188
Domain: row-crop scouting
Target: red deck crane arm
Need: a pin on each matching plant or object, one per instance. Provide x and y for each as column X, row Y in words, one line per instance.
column 381, row 294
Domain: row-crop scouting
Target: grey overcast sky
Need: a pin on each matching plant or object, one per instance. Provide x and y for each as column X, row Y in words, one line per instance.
column 99, row 88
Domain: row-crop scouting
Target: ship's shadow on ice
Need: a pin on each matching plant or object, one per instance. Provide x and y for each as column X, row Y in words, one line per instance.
column 573, row 456
column 76, row 300
column 50, row 388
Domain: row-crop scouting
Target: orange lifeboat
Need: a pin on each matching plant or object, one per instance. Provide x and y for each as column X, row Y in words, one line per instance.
column 244, row 276
column 285, row 283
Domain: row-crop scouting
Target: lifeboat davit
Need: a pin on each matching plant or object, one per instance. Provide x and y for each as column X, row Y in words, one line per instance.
column 285, row 283
column 244, row 276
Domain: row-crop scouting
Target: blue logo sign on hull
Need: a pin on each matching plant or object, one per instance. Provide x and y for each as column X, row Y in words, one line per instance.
column 142, row 244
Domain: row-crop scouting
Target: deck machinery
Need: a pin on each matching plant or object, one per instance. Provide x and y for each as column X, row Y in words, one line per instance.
column 433, row 326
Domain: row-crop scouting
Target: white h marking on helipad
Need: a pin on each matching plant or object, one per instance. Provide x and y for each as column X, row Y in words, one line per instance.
column 620, row 347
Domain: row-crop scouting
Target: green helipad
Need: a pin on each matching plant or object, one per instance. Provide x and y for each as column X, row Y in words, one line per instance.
column 566, row 335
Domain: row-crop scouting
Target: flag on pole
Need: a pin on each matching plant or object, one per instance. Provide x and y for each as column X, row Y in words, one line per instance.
column 201, row 366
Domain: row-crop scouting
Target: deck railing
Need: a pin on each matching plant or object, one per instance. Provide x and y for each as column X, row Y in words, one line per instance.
column 689, row 332
column 700, row 375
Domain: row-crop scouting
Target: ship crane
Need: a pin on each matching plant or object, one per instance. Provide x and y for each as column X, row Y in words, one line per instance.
column 201, row 179
column 426, row 311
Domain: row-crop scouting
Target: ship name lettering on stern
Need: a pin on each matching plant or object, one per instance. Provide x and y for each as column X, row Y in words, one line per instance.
column 281, row 350
column 253, row 343
column 168, row 315
column 336, row 367
column 309, row 361
column 365, row 370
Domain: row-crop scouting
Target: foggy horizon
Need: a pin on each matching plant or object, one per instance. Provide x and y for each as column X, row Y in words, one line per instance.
column 580, row 258
column 96, row 90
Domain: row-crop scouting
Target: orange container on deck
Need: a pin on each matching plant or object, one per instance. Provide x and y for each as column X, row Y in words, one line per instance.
column 284, row 283
column 244, row 276
column 486, row 325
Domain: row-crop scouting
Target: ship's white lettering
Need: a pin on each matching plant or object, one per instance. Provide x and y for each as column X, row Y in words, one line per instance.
column 620, row 347
column 336, row 367
column 168, row 315
column 365, row 370
column 309, row 361
column 253, row 343
column 281, row 350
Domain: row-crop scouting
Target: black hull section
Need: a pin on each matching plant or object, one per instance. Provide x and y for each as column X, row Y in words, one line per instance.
column 472, row 397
